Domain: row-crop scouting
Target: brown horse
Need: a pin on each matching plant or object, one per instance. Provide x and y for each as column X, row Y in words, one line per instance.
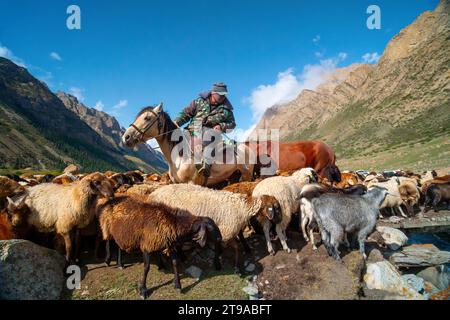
column 296, row 155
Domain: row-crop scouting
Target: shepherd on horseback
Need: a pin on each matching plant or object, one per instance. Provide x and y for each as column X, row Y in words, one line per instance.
column 211, row 110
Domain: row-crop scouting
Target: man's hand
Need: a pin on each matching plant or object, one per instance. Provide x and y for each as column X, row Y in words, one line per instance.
column 218, row 128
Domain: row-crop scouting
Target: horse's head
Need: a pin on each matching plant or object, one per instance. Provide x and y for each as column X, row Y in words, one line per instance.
column 146, row 126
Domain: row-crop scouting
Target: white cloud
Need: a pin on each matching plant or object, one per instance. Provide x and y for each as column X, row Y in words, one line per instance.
column 55, row 56
column 99, row 106
column 371, row 57
column 121, row 104
column 316, row 39
column 287, row 87
column 77, row 93
column 8, row 54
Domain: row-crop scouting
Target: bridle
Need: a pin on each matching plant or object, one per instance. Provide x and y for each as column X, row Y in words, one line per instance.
column 148, row 126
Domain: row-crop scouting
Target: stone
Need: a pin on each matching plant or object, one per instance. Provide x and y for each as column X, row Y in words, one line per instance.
column 420, row 255
column 438, row 276
column 30, row 272
column 375, row 255
column 395, row 219
column 280, row 266
column 414, row 282
column 383, row 276
column 250, row 290
column 194, row 272
column 72, row 169
column 393, row 238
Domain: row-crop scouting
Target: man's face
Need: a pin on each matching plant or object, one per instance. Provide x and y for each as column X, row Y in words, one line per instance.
column 217, row 98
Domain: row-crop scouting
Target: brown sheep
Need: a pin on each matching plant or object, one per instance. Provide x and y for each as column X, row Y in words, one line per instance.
column 8, row 188
column 154, row 227
column 348, row 179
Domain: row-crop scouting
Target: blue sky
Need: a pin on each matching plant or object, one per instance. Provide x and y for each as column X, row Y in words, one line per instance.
column 130, row 54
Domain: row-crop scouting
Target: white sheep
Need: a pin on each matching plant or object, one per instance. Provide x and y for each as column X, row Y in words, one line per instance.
column 63, row 208
column 393, row 199
column 230, row 211
column 287, row 191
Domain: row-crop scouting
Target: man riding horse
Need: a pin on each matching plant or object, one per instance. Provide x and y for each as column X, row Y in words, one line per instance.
column 211, row 110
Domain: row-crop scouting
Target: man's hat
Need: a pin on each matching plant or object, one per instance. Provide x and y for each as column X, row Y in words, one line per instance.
column 220, row 88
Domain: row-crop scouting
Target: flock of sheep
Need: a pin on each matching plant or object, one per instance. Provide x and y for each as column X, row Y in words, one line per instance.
column 148, row 213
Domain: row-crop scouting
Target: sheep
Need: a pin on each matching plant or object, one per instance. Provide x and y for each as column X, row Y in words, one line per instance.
column 12, row 220
column 436, row 193
column 247, row 188
column 348, row 179
column 154, row 227
column 66, row 178
column 63, row 208
column 310, row 191
column 409, row 193
column 394, row 199
column 230, row 211
column 338, row 214
column 286, row 190
column 8, row 188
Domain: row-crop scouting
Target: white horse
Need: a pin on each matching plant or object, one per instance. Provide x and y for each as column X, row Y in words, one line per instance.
column 153, row 122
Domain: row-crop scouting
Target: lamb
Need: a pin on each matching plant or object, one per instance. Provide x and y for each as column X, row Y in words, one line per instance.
column 247, row 188
column 436, row 193
column 311, row 191
column 287, row 191
column 337, row 214
column 63, row 208
column 394, row 199
column 230, row 211
column 154, row 227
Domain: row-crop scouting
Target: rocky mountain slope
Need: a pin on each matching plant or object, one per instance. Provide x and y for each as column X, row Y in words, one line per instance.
column 37, row 130
column 376, row 115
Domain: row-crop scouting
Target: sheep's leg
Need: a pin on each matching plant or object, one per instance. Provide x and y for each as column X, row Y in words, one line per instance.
column 346, row 242
column 144, row 293
column 217, row 253
column 244, row 242
column 393, row 211
column 266, row 228
column 436, row 200
column 303, row 222
column 380, row 215
column 97, row 247
column 401, row 212
column 282, row 235
column 362, row 235
column 311, row 236
column 237, row 256
column 108, row 252
column 159, row 262
column 176, row 280
column 68, row 244
column 119, row 258
column 77, row 243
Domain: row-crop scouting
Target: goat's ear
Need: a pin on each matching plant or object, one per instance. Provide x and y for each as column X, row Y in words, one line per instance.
column 11, row 203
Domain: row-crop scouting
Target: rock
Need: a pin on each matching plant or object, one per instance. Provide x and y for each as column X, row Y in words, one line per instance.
column 438, row 276
column 72, row 169
column 194, row 272
column 375, row 255
column 420, row 256
column 250, row 268
column 280, row 266
column 430, row 288
column 395, row 219
column 30, row 272
column 441, row 295
column 251, row 290
column 354, row 262
column 383, row 276
column 394, row 238
column 414, row 282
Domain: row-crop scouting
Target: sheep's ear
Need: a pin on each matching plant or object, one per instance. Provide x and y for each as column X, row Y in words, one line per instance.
column 11, row 202
column 200, row 233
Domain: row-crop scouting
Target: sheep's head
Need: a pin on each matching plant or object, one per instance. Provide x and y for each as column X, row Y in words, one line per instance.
column 99, row 185
column 9, row 187
column 271, row 209
column 17, row 211
column 307, row 175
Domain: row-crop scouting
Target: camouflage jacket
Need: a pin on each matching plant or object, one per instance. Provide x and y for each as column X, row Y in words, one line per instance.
column 201, row 112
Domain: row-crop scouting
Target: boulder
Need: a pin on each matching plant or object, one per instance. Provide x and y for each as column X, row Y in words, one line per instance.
column 72, row 169
column 420, row 255
column 393, row 238
column 414, row 282
column 383, row 276
column 30, row 272
column 438, row 276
